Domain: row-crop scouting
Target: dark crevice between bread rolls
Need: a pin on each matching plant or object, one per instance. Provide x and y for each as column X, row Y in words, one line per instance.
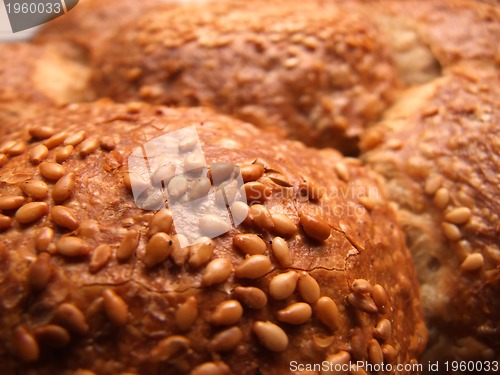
column 318, row 271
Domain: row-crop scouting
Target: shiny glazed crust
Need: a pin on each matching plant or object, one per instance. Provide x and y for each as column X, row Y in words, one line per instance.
column 312, row 70
column 110, row 312
column 438, row 149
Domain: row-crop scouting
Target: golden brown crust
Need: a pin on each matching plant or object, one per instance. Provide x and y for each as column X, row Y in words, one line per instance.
column 36, row 77
column 313, row 70
column 439, row 151
column 92, row 21
column 124, row 316
column 454, row 30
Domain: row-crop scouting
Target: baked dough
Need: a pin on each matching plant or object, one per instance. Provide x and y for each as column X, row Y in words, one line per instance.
column 79, row 271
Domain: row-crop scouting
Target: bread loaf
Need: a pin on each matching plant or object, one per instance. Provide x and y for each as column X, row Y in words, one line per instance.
column 313, row 70
column 438, row 149
column 318, row 270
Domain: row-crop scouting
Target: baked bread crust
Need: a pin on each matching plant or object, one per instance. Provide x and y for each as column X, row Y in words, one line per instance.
column 91, row 22
column 313, row 70
column 455, row 30
column 124, row 316
column 36, row 77
column 438, row 149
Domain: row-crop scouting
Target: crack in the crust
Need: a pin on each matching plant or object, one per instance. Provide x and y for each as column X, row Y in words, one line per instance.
column 152, row 290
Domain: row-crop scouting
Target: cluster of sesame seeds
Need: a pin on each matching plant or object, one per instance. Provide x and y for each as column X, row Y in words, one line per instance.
column 266, row 296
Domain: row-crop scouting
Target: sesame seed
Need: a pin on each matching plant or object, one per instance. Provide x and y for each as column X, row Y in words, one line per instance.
column 249, row 243
column 253, row 267
column 239, row 211
column 339, row 359
column 251, row 172
column 100, row 256
column 279, row 179
column 458, row 215
column 38, row 154
column 375, row 354
column 200, row 253
column 11, row 202
column 472, row 262
column 16, row 149
column 441, row 198
column 177, row 186
column 161, row 222
column 115, row 307
column 41, row 132
column 211, row 368
column 40, row 272
column 227, row 313
column 252, row 297
column 72, row 247
column 51, row 171
column 308, row 287
column 52, row 335
column 283, row 285
column 75, row 139
column 88, row 146
column 5, row 222
column 31, row 212
column 128, row 245
column 361, row 286
column 163, row 173
column 71, row 317
column 342, row 171
column 35, row 188
column 261, row 217
column 63, row 153
column 256, row 192
column 158, row 249
column 226, row 340
column 170, row 348
column 362, row 302
column 296, row 313
column 55, row 140
column 217, row 271
column 389, row 353
column 380, row 298
column 432, row 184
column 451, row 231
column 315, row 227
column 25, row 345
column 186, row 314
column 64, row 217
column 44, row 238
column 328, row 313
column 283, row 225
column 271, row 336
column 383, row 330
column 281, row 251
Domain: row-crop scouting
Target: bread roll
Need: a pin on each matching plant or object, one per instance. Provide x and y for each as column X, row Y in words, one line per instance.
column 36, row 77
column 313, row 70
column 438, row 149
column 454, row 30
column 318, row 271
